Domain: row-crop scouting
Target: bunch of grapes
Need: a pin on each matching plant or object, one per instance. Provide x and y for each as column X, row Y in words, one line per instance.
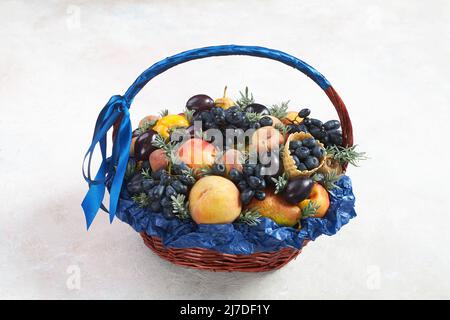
column 158, row 189
column 328, row 133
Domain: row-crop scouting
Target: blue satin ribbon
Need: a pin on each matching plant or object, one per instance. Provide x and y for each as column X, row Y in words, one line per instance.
column 116, row 109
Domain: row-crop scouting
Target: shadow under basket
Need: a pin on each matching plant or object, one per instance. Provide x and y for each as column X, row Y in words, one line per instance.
column 213, row 260
column 204, row 259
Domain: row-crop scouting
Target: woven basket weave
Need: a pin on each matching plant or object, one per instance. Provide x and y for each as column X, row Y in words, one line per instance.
column 211, row 260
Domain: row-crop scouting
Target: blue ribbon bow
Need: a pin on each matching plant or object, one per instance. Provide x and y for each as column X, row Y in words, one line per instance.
column 115, row 110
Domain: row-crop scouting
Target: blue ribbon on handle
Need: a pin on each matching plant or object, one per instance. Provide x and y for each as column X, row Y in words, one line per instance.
column 116, row 109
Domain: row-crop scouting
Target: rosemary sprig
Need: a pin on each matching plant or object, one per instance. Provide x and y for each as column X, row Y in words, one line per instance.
column 348, row 154
column 167, row 146
column 146, row 126
column 252, row 217
column 310, row 209
column 280, row 182
column 328, row 180
column 190, row 174
column 282, row 128
column 189, row 115
column 245, row 99
column 253, row 116
column 180, row 206
column 130, row 170
column 164, row 112
column 141, row 199
column 279, row 110
column 146, row 173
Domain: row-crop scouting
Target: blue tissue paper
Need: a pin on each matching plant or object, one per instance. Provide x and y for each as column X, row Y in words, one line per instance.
column 235, row 238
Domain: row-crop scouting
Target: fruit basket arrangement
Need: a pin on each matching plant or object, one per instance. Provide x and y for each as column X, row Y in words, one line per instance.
column 225, row 184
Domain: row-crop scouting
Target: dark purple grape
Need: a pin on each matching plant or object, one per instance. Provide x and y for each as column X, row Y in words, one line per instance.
column 335, row 137
column 331, row 125
column 248, row 170
column 242, row 185
column 254, row 182
column 316, row 123
column 135, row 184
column 143, row 145
column 168, row 213
column 158, row 191
column 247, row 195
column 166, row 202
column 257, row 108
column 170, row 191
column 297, row 190
column 235, row 175
column 185, row 180
column 200, row 102
column 266, row 122
column 304, row 113
column 219, row 169
column 179, row 186
column 311, row 162
column 147, row 184
column 260, row 195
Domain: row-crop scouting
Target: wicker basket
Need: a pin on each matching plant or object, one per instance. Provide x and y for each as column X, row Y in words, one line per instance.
column 205, row 259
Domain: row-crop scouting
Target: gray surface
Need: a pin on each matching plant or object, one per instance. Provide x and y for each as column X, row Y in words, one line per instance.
column 61, row 61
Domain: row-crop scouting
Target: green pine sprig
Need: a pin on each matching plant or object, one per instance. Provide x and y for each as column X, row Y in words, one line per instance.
column 163, row 113
column 167, row 146
column 310, row 209
column 180, row 206
column 252, row 217
column 348, row 154
column 141, row 199
column 279, row 110
column 245, row 99
column 189, row 114
column 148, row 124
column 130, row 171
column 328, row 180
column 253, row 116
column 280, row 182
column 146, row 173
column 282, row 128
column 190, row 174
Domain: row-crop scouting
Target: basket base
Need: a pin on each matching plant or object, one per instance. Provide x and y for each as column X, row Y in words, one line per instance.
column 204, row 259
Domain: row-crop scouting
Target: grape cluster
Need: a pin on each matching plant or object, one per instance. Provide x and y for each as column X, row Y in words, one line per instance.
column 250, row 182
column 328, row 133
column 231, row 118
column 160, row 186
column 306, row 153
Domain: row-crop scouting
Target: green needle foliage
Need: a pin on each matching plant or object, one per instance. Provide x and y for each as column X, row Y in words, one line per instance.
column 252, row 217
column 348, row 154
column 245, row 99
column 141, row 199
column 180, row 206
column 279, row 110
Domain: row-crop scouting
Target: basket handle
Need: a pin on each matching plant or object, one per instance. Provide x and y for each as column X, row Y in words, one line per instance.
column 115, row 114
column 228, row 50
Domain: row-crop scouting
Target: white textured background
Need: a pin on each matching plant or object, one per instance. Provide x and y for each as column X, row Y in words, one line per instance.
column 61, row 61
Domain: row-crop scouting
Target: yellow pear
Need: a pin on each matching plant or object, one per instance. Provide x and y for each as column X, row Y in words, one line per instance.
column 224, row 102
